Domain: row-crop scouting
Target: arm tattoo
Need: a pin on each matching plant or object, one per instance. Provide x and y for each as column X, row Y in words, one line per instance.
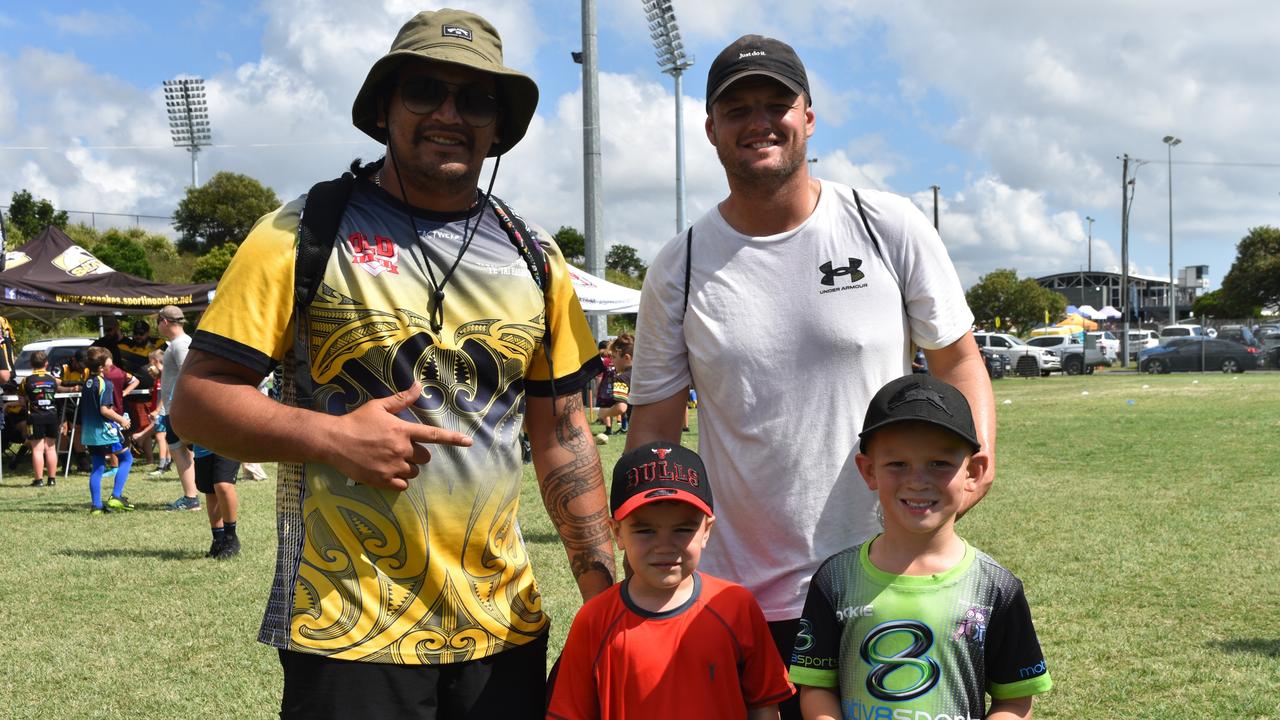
column 585, row 536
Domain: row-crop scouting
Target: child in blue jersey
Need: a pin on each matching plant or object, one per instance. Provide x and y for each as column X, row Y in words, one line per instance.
column 915, row 623
column 100, row 428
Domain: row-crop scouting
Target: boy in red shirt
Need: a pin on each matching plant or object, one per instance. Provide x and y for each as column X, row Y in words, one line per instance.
column 667, row 642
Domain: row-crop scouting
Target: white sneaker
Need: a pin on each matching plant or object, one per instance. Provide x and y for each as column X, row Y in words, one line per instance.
column 602, row 439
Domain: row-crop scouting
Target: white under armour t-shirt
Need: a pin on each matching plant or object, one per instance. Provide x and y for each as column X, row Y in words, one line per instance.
column 787, row 338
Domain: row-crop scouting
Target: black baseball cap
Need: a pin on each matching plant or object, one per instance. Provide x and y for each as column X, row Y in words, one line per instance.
column 920, row 398
column 656, row 472
column 756, row 55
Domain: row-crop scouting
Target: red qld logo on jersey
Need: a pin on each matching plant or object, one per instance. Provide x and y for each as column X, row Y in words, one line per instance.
column 382, row 255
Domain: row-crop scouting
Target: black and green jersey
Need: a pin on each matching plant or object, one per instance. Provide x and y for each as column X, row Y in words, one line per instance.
column 918, row 647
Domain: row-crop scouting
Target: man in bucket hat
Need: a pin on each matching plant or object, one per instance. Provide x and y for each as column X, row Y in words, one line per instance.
column 809, row 294
column 403, row 587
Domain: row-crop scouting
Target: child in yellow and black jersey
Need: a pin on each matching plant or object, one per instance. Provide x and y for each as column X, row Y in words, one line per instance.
column 38, row 391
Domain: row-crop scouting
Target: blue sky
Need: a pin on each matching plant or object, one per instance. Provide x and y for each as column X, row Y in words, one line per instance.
column 1018, row 111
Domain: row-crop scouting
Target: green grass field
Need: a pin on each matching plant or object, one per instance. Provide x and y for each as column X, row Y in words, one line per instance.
column 1141, row 516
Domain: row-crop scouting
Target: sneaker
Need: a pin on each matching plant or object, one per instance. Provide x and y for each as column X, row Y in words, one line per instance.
column 97, row 511
column 165, row 465
column 37, row 483
column 51, row 482
column 602, row 439
column 230, row 548
column 215, row 547
column 119, row 504
column 156, row 473
column 184, row 503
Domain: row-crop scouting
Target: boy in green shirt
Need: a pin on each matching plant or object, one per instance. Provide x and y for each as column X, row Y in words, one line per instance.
column 915, row 624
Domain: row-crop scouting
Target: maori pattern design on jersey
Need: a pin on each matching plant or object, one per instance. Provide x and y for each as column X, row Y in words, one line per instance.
column 437, row 573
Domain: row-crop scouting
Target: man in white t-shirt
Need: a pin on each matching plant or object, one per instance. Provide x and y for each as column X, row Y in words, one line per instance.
column 803, row 299
column 171, row 324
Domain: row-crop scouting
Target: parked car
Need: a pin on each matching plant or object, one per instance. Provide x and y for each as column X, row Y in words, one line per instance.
column 1071, row 353
column 1109, row 343
column 1270, row 339
column 1169, row 332
column 59, row 350
column 1239, row 334
column 1023, row 359
column 997, row 365
column 1187, row 354
column 1140, row 340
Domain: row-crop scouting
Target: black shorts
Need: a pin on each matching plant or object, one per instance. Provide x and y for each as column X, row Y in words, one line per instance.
column 114, row 448
column 214, row 469
column 44, row 428
column 510, row 685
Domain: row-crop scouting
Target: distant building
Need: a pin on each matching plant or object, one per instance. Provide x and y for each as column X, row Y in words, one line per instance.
column 1148, row 295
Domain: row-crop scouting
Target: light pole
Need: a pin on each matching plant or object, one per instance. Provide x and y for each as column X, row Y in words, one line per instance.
column 1090, row 241
column 188, row 117
column 1173, row 290
column 673, row 61
column 593, row 202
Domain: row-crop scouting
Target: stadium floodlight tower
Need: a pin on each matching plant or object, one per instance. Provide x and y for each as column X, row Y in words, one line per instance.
column 673, row 61
column 188, row 117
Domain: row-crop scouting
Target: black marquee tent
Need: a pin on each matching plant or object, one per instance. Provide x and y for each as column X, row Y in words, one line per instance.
column 52, row 277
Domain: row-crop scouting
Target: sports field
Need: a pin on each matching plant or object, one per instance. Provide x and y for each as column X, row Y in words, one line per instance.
column 1142, row 517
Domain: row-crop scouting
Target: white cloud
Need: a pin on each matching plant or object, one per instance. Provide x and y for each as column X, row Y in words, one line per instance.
column 1039, row 102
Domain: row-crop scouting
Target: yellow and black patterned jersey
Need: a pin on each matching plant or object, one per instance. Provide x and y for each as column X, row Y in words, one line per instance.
column 73, row 377
column 437, row 573
column 7, row 350
column 134, row 355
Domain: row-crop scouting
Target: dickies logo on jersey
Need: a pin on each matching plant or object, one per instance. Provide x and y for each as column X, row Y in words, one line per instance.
column 376, row 257
column 830, row 272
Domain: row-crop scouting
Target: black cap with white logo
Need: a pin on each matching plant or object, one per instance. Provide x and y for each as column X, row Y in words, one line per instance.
column 656, row 472
column 920, row 398
column 756, row 55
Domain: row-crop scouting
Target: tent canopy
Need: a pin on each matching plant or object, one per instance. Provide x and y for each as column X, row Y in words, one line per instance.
column 52, row 277
column 1079, row 321
column 601, row 297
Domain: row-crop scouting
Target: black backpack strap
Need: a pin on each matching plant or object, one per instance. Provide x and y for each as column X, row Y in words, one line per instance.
column 875, row 241
column 688, row 265
column 867, row 224
column 535, row 257
column 318, row 225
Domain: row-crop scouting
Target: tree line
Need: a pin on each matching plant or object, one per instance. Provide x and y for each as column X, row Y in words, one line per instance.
column 213, row 218
column 210, row 219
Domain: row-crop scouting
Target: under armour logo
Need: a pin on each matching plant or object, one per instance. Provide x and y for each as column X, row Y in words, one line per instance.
column 829, row 274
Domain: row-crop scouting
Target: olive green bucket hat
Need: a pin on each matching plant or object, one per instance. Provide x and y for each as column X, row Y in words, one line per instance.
column 459, row 38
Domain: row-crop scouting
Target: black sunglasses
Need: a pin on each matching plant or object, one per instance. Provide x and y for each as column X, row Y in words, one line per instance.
column 476, row 106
